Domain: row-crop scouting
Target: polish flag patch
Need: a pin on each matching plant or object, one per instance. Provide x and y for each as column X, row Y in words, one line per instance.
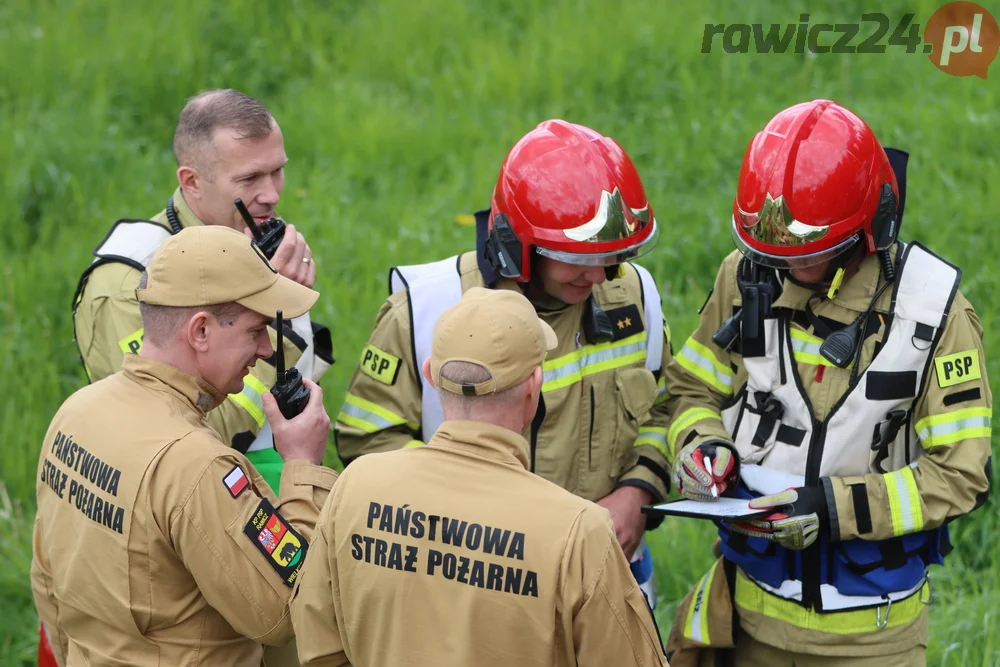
column 236, row 481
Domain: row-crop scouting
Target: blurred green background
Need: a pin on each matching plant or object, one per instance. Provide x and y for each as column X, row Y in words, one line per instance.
column 396, row 117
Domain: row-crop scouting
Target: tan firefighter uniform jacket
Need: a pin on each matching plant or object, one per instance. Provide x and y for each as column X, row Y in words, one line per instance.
column 155, row 543
column 930, row 467
column 601, row 422
column 454, row 554
column 108, row 327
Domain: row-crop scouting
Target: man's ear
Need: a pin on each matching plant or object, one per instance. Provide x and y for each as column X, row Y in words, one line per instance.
column 196, row 331
column 189, row 179
column 537, row 377
column 425, row 370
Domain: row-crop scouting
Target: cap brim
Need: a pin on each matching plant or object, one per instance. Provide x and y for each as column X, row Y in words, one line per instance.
column 551, row 341
column 285, row 295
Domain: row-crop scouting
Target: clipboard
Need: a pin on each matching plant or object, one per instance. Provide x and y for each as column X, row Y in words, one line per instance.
column 721, row 509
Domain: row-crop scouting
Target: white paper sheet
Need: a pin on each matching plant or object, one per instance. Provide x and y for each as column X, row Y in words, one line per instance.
column 720, row 509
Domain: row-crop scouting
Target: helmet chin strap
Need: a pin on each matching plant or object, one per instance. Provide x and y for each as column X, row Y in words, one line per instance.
column 832, row 278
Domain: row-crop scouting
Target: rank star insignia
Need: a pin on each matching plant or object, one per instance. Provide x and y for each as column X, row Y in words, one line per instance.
column 626, row 321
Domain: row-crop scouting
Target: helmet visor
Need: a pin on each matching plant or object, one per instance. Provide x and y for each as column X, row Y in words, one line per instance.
column 609, row 258
column 789, row 261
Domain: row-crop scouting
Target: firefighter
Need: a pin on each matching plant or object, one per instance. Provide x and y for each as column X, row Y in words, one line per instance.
column 568, row 214
column 837, row 378
column 227, row 146
column 453, row 553
column 155, row 542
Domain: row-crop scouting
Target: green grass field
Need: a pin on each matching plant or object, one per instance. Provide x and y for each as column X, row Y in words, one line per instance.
column 396, row 117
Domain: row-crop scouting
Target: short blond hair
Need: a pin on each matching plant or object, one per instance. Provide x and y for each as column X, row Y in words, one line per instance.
column 160, row 323
column 461, row 406
column 209, row 111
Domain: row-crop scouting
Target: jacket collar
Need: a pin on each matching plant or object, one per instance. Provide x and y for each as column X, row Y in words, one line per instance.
column 855, row 294
column 184, row 212
column 483, row 439
column 158, row 376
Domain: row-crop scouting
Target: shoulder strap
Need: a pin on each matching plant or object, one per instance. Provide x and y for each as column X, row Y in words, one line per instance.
column 926, row 287
column 654, row 319
column 131, row 242
column 401, row 277
column 431, row 288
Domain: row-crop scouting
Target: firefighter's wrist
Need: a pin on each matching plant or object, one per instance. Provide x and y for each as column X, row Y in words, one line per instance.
column 647, row 474
column 652, row 521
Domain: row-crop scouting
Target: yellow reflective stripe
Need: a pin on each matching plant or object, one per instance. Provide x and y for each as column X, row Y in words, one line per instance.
column 661, row 391
column 702, row 363
column 590, row 359
column 251, row 399
column 805, row 348
column 685, row 420
column 655, row 436
column 904, row 501
column 370, row 417
column 132, row 343
column 799, row 334
column 696, row 626
column 413, row 443
column 951, row 427
column 752, row 597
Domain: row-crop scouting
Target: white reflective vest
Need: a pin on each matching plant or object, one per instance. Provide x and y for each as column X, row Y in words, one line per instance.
column 134, row 242
column 436, row 286
column 796, row 448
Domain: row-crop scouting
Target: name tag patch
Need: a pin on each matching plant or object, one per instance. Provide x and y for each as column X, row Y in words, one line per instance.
column 379, row 365
column 958, row 368
column 282, row 547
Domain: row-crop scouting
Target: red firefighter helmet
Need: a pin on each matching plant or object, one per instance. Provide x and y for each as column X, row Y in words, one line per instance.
column 813, row 182
column 573, row 195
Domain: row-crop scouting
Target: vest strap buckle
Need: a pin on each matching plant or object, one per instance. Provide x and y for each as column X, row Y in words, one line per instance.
column 887, row 429
column 882, row 621
column 929, row 591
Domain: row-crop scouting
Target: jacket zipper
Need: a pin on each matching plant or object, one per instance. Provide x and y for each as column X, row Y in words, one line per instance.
column 590, row 436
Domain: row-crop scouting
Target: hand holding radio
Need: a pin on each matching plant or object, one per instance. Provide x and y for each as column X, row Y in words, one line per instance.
column 283, row 245
column 294, row 408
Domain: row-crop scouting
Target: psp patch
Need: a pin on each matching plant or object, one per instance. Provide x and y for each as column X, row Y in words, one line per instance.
column 625, row 321
column 958, row 368
column 282, row 547
column 132, row 343
column 379, row 365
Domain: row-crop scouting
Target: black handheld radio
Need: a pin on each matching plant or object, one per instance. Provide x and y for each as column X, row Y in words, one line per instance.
column 267, row 236
column 288, row 391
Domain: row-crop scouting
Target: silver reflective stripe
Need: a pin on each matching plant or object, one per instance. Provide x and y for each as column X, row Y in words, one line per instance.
column 653, row 435
column 592, row 359
column 899, row 499
column 706, row 364
column 375, row 420
column 937, row 430
column 805, row 347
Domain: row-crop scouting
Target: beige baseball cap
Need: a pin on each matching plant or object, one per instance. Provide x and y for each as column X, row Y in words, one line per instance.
column 496, row 329
column 207, row 265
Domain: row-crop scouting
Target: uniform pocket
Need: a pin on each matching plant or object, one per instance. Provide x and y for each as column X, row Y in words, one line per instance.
column 635, row 392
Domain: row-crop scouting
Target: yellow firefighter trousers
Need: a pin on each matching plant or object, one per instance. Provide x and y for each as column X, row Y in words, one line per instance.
column 752, row 653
